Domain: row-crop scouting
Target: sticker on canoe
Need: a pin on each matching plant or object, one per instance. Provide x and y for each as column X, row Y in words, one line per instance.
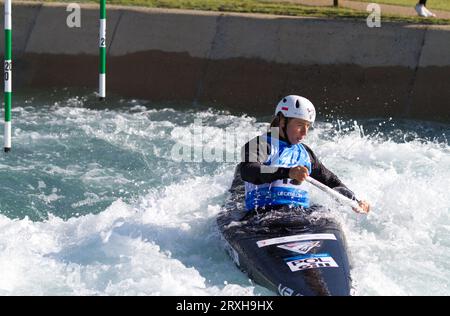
column 302, row 247
column 312, row 261
column 282, row 240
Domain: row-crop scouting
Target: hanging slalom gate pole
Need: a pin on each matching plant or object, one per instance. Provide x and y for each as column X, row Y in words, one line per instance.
column 102, row 46
column 8, row 74
column 8, row 65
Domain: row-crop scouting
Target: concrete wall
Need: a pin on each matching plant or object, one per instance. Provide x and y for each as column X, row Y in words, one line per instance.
column 241, row 62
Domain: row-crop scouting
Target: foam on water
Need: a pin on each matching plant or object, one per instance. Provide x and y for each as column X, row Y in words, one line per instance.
column 93, row 204
column 156, row 246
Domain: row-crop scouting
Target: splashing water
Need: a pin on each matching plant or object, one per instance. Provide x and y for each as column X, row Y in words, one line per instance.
column 93, row 202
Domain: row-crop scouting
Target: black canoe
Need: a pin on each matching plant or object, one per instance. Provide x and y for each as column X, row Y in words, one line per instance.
column 289, row 251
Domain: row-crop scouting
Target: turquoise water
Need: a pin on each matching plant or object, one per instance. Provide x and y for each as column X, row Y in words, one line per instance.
column 96, row 202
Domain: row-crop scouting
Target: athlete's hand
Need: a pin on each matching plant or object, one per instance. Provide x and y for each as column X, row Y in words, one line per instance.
column 364, row 205
column 298, row 173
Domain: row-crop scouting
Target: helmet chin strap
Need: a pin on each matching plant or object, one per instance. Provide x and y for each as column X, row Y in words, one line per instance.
column 285, row 131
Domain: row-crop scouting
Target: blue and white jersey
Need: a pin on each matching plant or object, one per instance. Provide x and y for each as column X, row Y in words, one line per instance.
column 280, row 192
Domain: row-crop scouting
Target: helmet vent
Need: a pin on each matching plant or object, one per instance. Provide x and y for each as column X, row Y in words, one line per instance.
column 297, row 104
column 284, row 100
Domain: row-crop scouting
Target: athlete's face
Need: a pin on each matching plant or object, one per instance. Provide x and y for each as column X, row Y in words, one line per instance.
column 297, row 129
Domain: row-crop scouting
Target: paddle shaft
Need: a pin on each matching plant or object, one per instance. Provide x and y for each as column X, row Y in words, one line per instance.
column 341, row 198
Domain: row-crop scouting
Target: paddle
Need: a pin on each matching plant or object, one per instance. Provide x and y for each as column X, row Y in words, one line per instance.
column 341, row 198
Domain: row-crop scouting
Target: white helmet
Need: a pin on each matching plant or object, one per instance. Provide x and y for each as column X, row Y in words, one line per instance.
column 295, row 106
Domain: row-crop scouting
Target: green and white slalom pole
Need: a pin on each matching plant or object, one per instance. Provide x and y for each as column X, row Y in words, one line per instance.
column 8, row 74
column 102, row 46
